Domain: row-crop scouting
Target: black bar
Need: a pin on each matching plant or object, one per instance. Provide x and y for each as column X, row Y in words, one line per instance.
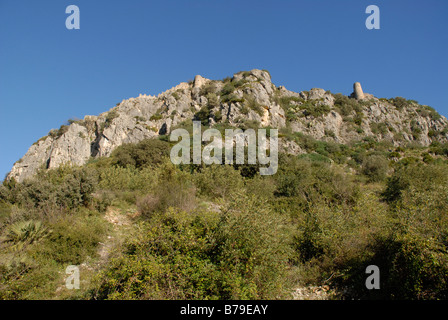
column 276, row 309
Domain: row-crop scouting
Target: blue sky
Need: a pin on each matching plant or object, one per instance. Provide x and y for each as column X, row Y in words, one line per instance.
column 49, row 74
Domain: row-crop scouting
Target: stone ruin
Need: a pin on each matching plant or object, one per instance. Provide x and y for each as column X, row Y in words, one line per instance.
column 357, row 91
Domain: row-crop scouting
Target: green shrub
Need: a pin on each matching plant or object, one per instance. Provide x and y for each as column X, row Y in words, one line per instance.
column 68, row 187
column 316, row 111
column 217, row 115
column 149, row 152
column 285, row 102
column 155, row 117
column 331, row 241
column 73, row 238
column 231, row 98
column 375, row 167
column 175, row 95
column 346, row 106
column 439, row 149
column 394, row 154
column 166, row 258
column 228, row 88
column 308, row 180
column 5, row 206
column 380, row 128
column 251, row 250
column 218, row 181
column 22, row 233
column 415, row 129
column 399, row 102
column 239, row 83
column 241, row 253
column 208, row 88
column 140, row 119
column 57, row 133
column 427, row 111
column 203, row 115
column 213, row 100
column 330, row 133
column 176, row 190
column 412, row 268
column 111, row 115
column 315, row 157
column 75, row 120
column 118, row 179
column 426, row 157
column 33, row 267
column 251, row 103
column 414, row 175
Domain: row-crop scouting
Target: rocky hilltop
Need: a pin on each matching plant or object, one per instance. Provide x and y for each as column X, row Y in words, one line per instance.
column 249, row 98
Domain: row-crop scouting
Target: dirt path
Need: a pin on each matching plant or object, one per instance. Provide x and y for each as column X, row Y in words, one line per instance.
column 121, row 222
column 313, row 293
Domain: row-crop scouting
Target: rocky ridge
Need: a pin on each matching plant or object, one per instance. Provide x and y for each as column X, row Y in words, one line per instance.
column 248, row 99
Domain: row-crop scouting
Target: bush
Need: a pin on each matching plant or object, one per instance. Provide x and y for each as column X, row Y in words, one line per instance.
column 427, row 111
column 331, row 240
column 400, row 102
column 317, row 111
column 111, row 115
column 203, row 115
column 38, row 251
column 228, row 95
column 166, row 258
column 251, row 250
column 228, row 89
column 175, row 190
column 208, row 88
column 285, row 102
column 311, row 181
column 415, row 129
column 121, row 179
column 293, row 178
column 241, row 253
column 218, row 181
column 346, row 106
column 155, row 117
column 67, row 187
column 149, row 152
column 375, row 167
column 57, row 133
column 22, row 233
column 416, row 176
column 412, row 268
column 379, row 128
column 213, row 100
column 439, row 149
column 251, row 103
column 72, row 238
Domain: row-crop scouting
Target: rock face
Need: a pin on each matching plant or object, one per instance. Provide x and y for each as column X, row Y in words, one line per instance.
column 247, row 99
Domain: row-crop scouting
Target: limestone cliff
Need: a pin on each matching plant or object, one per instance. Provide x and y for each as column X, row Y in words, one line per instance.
column 248, row 98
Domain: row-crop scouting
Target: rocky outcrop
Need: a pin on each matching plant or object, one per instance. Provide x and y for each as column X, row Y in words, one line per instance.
column 249, row 98
column 72, row 147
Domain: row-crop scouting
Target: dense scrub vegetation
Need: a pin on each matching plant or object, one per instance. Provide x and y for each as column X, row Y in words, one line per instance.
column 225, row 232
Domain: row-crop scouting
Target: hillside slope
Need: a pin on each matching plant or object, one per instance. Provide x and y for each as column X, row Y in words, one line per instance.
column 249, row 98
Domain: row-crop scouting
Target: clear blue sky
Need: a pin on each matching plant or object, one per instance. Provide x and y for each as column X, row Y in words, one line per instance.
column 49, row 74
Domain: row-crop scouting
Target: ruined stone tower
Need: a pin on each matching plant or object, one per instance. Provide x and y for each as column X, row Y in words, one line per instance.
column 357, row 91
